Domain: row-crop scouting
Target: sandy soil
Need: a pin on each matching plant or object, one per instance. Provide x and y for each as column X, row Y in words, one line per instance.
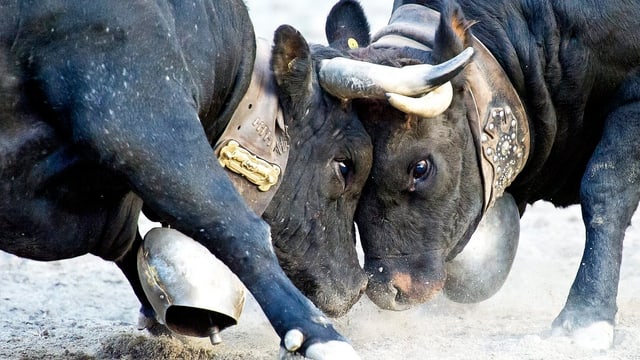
column 83, row 308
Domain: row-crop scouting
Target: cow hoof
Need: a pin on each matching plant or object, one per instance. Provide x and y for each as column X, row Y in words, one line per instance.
column 596, row 336
column 293, row 340
column 149, row 323
column 323, row 351
column 146, row 322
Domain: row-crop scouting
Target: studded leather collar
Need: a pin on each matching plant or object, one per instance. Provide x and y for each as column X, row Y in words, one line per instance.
column 254, row 146
column 499, row 123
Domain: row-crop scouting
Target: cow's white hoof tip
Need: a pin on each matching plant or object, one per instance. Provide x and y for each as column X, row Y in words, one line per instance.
column 597, row 336
column 145, row 322
column 332, row 350
column 324, row 351
column 293, row 340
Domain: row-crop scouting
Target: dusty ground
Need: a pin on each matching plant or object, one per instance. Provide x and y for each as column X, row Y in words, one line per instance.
column 83, row 308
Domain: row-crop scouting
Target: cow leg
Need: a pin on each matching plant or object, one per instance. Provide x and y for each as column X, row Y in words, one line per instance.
column 167, row 159
column 128, row 264
column 198, row 200
column 609, row 197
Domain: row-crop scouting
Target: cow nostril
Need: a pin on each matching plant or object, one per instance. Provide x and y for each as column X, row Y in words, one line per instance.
column 400, row 297
column 396, row 293
column 407, row 291
column 394, row 290
column 363, row 288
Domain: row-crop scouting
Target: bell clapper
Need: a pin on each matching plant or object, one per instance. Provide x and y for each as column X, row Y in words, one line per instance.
column 214, row 335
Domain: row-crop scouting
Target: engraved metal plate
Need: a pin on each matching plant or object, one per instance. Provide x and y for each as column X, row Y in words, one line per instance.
column 241, row 161
column 504, row 147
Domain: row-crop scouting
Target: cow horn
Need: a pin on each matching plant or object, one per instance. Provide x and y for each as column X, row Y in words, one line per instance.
column 353, row 79
column 427, row 106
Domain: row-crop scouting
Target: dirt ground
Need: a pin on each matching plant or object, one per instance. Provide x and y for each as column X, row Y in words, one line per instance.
column 83, row 308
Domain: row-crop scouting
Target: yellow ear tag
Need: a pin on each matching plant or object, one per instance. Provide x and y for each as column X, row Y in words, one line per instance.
column 353, row 44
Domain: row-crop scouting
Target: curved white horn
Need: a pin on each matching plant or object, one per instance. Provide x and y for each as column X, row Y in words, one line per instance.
column 348, row 78
column 352, row 79
column 430, row 105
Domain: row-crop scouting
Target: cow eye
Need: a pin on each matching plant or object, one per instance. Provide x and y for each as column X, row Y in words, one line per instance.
column 343, row 167
column 420, row 169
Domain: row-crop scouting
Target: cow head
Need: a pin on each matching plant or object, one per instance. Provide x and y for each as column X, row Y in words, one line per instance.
column 426, row 194
column 311, row 215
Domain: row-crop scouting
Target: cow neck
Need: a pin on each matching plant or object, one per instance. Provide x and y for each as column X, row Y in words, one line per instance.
column 496, row 115
column 254, row 147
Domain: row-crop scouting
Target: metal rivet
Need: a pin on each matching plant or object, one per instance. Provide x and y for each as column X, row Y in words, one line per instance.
column 505, row 147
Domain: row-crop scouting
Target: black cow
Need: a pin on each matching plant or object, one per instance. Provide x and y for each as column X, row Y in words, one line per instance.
column 547, row 109
column 106, row 106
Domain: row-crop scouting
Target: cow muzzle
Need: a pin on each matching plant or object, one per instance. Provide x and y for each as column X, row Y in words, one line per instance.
column 192, row 292
column 398, row 283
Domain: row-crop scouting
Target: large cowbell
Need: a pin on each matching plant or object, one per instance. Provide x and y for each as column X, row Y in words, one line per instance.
column 192, row 292
column 481, row 269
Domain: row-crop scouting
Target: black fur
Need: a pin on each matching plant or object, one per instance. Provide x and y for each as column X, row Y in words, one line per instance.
column 106, row 106
column 575, row 68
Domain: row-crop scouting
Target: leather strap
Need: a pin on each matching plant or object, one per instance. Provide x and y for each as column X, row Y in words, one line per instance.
column 254, row 146
column 499, row 123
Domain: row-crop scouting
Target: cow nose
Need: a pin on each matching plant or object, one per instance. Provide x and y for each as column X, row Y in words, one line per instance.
column 395, row 287
column 402, row 293
column 412, row 292
column 336, row 298
column 385, row 296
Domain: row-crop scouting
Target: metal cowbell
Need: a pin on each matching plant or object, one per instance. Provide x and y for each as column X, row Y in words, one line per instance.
column 192, row 292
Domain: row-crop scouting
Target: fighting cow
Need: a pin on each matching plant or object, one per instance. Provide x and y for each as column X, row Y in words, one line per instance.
column 544, row 106
column 108, row 106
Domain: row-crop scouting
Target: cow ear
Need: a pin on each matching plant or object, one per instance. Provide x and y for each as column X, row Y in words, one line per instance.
column 347, row 26
column 453, row 34
column 292, row 65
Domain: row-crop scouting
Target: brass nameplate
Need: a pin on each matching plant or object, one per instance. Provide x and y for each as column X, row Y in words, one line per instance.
column 241, row 161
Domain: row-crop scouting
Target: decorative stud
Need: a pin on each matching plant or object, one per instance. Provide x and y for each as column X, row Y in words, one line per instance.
column 502, row 148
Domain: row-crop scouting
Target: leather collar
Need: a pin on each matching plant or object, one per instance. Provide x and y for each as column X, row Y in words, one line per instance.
column 496, row 115
column 254, row 146
column 499, row 123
